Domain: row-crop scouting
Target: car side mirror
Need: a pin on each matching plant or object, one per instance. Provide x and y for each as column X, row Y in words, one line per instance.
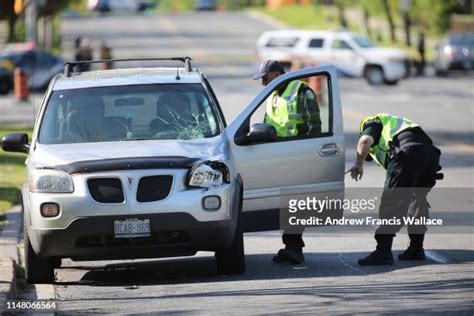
column 16, row 142
column 259, row 133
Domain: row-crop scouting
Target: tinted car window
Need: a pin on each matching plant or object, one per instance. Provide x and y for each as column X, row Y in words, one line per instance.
column 282, row 42
column 340, row 44
column 138, row 112
column 363, row 42
column 466, row 40
column 316, row 43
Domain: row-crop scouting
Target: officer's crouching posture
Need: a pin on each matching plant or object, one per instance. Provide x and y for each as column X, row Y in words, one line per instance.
column 407, row 153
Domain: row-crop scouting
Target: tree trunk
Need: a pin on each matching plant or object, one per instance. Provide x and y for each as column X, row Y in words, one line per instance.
column 11, row 28
column 49, row 33
column 407, row 27
column 342, row 16
column 390, row 20
column 366, row 23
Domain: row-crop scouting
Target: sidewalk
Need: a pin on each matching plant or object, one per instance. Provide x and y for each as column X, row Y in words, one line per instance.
column 9, row 255
column 13, row 111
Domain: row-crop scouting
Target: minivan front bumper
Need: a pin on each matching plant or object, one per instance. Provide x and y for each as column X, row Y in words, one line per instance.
column 172, row 234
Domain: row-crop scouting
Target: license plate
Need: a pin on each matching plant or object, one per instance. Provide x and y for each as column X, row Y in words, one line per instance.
column 132, row 228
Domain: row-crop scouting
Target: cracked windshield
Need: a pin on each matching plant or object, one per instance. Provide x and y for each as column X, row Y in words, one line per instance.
column 140, row 112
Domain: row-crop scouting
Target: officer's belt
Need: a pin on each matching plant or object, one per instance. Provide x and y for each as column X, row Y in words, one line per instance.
column 410, row 137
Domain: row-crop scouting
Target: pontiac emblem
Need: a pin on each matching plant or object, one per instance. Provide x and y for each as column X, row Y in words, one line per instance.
column 130, row 182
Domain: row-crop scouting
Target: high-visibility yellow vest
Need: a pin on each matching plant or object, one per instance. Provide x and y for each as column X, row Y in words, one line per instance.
column 391, row 126
column 282, row 110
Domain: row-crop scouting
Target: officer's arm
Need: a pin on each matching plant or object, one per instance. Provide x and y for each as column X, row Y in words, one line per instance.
column 363, row 147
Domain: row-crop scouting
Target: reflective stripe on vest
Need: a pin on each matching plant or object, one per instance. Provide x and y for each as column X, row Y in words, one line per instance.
column 391, row 126
column 282, row 112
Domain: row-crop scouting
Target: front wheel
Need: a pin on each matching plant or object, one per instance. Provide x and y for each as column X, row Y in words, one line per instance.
column 232, row 259
column 374, row 75
column 37, row 270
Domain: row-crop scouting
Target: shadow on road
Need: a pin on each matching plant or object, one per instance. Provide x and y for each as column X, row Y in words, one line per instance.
column 259, row 267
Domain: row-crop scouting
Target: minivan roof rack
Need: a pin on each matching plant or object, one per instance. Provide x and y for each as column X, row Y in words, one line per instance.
column 68, row 66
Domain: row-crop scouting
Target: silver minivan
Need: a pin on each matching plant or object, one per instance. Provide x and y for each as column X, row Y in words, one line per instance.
column 140, row 163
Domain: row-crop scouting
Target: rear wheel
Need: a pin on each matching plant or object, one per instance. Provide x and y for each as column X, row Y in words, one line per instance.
column 374, row 75
column 232, row 259
column 37, row 270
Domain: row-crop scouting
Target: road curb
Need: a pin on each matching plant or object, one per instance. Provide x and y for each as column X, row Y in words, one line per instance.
column 9, row 238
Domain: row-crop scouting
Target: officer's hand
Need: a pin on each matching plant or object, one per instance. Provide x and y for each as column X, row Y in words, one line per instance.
column 356, row 172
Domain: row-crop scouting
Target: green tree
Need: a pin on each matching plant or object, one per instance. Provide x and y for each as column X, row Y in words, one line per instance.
column 434, row 15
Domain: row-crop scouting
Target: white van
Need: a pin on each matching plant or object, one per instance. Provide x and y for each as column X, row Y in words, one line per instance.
column 352, row 54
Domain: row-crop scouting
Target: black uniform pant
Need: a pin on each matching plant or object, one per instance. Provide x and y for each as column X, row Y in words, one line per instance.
column 411, row 173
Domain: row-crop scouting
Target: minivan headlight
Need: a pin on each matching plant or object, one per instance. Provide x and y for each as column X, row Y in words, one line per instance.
column 208, row 174
column 50, row 181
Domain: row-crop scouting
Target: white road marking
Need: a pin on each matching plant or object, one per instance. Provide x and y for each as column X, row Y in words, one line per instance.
column 436, row 257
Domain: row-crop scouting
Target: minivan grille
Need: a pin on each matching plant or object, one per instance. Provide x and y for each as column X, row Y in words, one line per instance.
column 106, row 190
column 154, row 188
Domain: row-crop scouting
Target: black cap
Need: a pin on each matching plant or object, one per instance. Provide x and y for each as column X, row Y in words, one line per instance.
column 268, row 66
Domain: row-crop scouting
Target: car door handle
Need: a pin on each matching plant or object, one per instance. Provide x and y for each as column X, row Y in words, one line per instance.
column 330, row 149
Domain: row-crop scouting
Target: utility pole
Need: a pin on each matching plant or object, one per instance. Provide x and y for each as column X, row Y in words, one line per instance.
column 31, row 21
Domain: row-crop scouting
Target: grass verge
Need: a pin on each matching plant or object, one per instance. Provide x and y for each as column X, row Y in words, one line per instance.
column 12, row 171
column 303, row 16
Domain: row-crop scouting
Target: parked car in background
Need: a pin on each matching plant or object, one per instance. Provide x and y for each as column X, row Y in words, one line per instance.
column 205, row 5
column 104, row 6
column 352, row 54
column 455, row 52
column 40, row 66
column 6, row 80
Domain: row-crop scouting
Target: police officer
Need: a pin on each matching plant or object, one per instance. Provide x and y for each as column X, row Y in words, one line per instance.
column 407, row 153
column 293, row 111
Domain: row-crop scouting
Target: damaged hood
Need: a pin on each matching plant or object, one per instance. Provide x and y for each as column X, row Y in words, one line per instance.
column 46, row 156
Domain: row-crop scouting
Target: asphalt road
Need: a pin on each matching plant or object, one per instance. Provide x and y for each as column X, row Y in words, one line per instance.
column 223, row 45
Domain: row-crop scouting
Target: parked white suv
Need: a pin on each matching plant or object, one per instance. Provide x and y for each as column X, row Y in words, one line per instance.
column 351, row 54
column 140, row 163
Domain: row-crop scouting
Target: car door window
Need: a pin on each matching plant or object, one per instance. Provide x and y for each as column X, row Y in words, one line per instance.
column 298, row 109
column 340, row 44
column 274, row 168
column 282, row 42
column 316, row 43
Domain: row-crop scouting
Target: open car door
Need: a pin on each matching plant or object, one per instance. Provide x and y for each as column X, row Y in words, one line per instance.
column 306, row 164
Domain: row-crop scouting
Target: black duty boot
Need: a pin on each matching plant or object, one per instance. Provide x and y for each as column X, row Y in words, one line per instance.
column 415, row 251
column 382, row 254
column 412, row 254
column 289, row 255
